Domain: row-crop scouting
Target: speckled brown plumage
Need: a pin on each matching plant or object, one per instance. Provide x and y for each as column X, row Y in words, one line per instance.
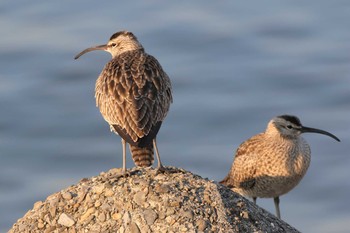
column 272, row 163
column 268, row 167
column 133, row 94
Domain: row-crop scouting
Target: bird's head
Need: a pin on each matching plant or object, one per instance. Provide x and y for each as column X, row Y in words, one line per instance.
column 288, row 126
column 119, row 43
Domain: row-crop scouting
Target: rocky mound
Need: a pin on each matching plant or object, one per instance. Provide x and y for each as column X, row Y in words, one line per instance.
column 147, row 201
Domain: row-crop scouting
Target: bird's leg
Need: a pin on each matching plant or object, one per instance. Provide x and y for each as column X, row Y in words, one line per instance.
column 160, row 165
column 276, row 200
column 123, row 173
column 254, row 199
column 124, row 156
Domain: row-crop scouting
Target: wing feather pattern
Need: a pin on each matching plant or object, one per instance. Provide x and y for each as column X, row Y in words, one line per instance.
column 133, row 94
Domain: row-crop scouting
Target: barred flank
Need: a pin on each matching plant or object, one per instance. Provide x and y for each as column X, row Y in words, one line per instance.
column 143, row 157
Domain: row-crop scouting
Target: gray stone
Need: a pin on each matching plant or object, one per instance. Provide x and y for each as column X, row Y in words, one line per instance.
column 150, row 216
column 102, row 217
column 187, row 214
column 140, row 198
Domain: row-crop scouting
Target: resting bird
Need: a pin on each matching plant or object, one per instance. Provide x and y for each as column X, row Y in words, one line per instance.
column 133, row 94
column 272, row 163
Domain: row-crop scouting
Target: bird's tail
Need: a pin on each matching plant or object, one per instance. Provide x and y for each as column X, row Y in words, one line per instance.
column 227, row 181
column 142, row 156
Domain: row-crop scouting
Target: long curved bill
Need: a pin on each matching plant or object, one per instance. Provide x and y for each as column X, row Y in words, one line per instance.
column 312, row 130
column 99, row 47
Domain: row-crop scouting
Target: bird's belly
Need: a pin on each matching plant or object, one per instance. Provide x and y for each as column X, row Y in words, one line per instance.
column 268, row 187
column 279, row 177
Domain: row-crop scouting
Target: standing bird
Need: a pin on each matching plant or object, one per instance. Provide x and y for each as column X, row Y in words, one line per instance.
column 133, row 94
column 272, row 163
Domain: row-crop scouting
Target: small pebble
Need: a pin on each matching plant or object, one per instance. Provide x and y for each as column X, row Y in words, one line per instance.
column 65, row 220
column 41, row 225
column 187, row 214
column 140, row 198
column 201, row 225
column 52, row 210
column 98, row 189
column 87, row 214
column 105, row 207
column 116, row 216
column 37, row 205
column 134, row 228
column 98, row 203
column 109, row 193
column 67, row 195
column 150, row 216
column 102, row 217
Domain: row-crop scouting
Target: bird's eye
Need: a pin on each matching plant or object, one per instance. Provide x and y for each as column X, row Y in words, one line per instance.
column 289, row 127
column 113, row 44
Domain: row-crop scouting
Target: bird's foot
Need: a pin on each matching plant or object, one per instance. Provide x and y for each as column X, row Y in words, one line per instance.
column 125, row 174
column 168, row 170
column 161, row 170
column 122, row 175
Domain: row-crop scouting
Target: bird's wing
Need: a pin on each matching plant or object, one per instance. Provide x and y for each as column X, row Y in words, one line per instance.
column 243, row 169
column 133, row 93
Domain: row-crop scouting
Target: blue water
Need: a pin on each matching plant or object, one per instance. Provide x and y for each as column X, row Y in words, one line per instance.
column 233, row 64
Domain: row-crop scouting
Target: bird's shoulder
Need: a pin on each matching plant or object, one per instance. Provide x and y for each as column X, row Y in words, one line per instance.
column 250, row 147
column 134, row 74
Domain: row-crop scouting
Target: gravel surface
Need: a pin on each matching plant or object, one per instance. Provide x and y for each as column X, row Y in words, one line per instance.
column 148, row 201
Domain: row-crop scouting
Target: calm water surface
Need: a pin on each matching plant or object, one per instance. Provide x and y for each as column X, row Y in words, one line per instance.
column 234, row 65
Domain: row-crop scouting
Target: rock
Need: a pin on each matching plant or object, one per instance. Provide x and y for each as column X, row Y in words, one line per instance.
column 87, row 214
column 65, row 220
column 187, row 214
column 37, row 205
column 134, row 228
column 126, row 218
column 201, row 225
column 81, row 195
column 116, row 216
column 106, row 207
column 98, row 189
column 67, row 195
column 147, row 201
column 40, row 225
column 140, row 198
column 102, row 217
column 52, row 210
column 150, row 216
column 109, row 193
column 98, row 203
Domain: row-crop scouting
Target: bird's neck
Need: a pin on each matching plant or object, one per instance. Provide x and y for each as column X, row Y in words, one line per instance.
column 293, row 151
column 276, row 137
column 279, row 140
column 273, row 132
